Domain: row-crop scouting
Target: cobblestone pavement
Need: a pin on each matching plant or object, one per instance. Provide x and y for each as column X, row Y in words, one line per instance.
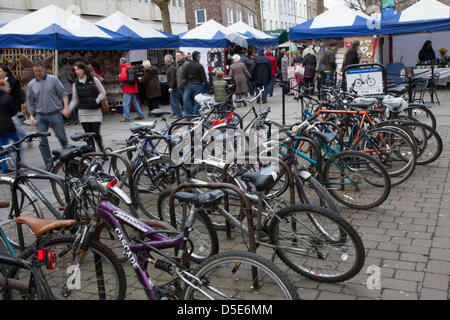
column 407, row 237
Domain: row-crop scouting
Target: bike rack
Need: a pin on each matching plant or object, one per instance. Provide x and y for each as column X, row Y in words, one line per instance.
column 244, row 200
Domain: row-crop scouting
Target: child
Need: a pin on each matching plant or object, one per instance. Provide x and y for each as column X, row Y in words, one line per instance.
column 220, row 87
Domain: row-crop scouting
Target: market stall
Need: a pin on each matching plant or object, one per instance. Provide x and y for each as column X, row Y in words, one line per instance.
column 210, row 39
column 253, row 36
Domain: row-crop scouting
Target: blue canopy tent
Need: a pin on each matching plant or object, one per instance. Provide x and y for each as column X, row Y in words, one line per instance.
column 423, row 16
column 338, row 22
column 56, row 29
column 140, row 35
column 254, row 37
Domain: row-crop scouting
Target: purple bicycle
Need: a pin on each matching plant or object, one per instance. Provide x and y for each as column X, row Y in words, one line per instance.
column 87, row 269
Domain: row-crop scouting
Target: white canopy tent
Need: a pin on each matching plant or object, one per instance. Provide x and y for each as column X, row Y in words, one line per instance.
column 254, row 37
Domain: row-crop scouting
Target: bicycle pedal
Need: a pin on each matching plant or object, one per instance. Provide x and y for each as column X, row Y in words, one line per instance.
column 166, row 292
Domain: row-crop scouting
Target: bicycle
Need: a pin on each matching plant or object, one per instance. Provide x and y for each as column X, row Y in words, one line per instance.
column 268, row 281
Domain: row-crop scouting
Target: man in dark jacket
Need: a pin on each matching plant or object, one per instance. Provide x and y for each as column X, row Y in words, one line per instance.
column 262, row 73
column 195, row 77
column 181, row 65
column 351, row 57
column 329, row 65
column 172, row 84
column 250, row 64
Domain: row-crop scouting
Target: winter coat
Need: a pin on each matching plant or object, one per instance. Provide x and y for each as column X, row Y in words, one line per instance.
column 181, row 84
column 351, row 57
column 329, row 61
column 273, row 60
column 16, row 92
column 172, row 75
column 310, row 63
column 127, row 88
column 151, row 83
column 220, row 90
column 194, row 73
column 263, row 71
column 7, row 111
column 239, row 73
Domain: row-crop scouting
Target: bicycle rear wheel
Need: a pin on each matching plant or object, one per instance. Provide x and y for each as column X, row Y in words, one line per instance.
column 101, row 276
column 240, row 275
column 357, row 180
column 317, row 243
column 27, row 206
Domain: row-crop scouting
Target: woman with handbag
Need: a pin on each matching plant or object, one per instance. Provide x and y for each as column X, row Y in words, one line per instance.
column 89, row 94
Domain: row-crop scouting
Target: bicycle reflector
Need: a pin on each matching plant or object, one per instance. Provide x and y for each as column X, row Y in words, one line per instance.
column 112, row 183
column 48, row 257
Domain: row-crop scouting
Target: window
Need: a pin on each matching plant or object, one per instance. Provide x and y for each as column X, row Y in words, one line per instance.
column 265, row 24
column 238, row 16
column 180, row 3
column 276, row 24
column 230, row 16
column 174, row 3
column 271, row 25
column 200, row 17
column 250, row 20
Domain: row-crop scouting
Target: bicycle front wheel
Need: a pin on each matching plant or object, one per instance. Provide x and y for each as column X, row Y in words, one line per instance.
column 99, row 277
column 240, row 275
column 317, row 243
column 356, row 180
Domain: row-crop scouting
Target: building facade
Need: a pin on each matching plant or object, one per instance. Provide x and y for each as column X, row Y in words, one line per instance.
column 283, row 14
column 94, row 10
column 225, row 12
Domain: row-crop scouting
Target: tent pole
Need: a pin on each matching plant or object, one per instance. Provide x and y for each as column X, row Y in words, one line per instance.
column 56, row 64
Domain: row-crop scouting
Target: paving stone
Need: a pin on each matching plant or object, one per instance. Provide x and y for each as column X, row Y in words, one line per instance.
column 437, row 266
column 396, row 284
column 395, row 264
column 389, row 294
column 413, row 257
column 388, row 246
column 432, row 294
column 414, row 249
column 436, row 281
column 441, row 242
column 383, row 254
column 409, row 275
column 326, row 295
column 440, row 254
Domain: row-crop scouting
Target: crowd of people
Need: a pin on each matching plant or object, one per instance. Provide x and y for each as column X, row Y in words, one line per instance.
column 76, row 96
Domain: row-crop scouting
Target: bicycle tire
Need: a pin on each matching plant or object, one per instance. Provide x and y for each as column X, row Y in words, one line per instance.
column 230, row 260
column 319, row 238
column 389, row 158
column 379, row 179
column 27, row 206
column 53, row 277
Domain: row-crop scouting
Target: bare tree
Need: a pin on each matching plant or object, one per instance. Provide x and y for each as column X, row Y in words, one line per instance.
column 369, row 6
column 163, row 5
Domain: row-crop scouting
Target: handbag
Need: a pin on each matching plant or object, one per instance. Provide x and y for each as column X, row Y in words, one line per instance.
column 104, row 103
column 299, row 71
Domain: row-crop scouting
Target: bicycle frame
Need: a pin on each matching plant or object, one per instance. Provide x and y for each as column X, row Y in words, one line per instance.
column 136, row 253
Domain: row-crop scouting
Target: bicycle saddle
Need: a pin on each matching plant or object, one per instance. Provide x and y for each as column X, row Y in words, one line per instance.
column 41, row 226
column 361, row 105
column 399, row 90
column 81, row 135
column 70, row 153
column 200, row 198
column 326, row 137
column 261, row 182
column 144, row 126
column 159, row 113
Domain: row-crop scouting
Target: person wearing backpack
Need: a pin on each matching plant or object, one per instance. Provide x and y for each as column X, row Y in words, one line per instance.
column 128, row 79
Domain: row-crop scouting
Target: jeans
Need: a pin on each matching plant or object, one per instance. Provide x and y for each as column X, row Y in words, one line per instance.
column 152, row 105
column 250, row 86
column 127, row 99
column 18, row 124
column 269, row 86
column 264, row 94
column 4, row 139
column 175, row 102
column 56, row 122
column 327, row 78
column 191, row 107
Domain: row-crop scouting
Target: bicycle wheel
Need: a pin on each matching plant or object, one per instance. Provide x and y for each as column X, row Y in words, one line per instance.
column 427, row 140
column 240, row 275
column 203, row 241
column 356, row 179
column 27, row 206
column 146, row 190
column 393, row 149
column 101, row 276
column 317, row 243
column 422, row 114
